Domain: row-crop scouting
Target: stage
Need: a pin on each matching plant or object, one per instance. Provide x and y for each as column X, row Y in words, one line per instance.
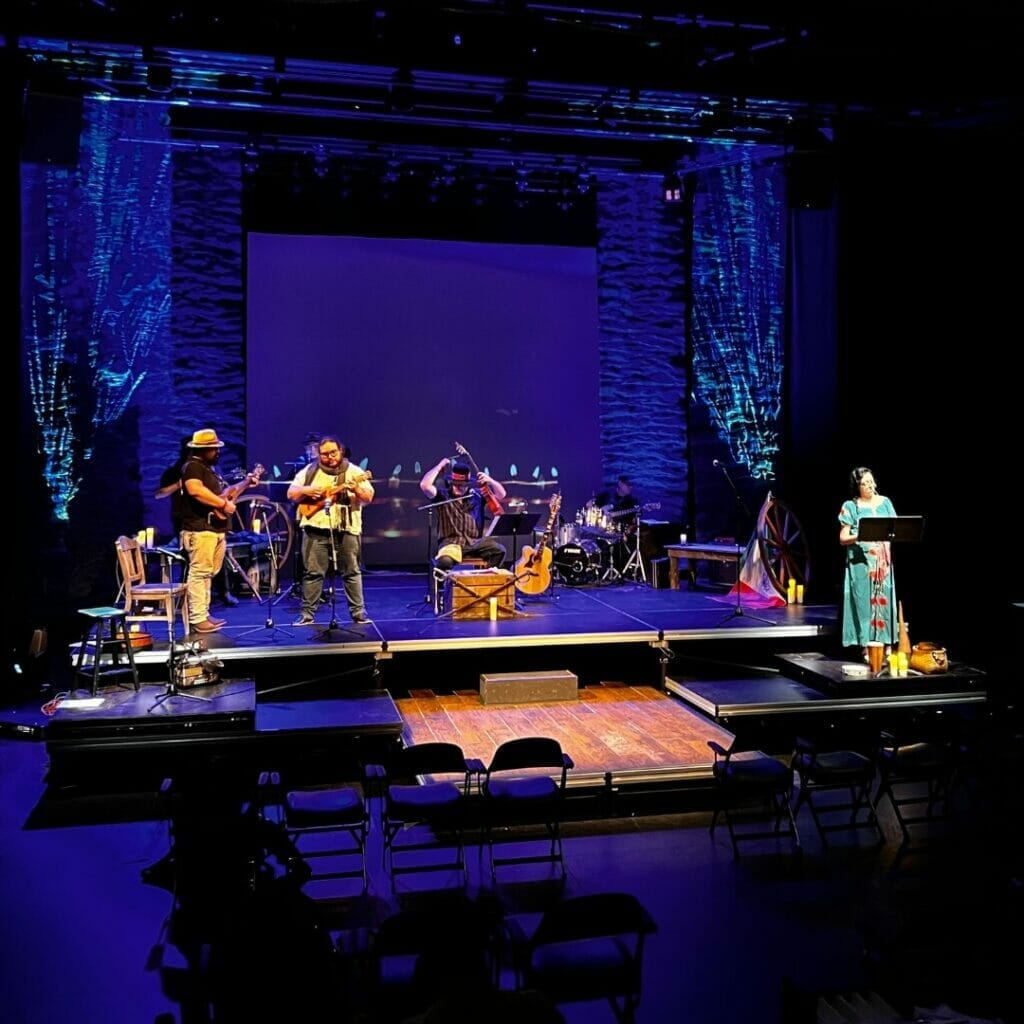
column 566, row 627
column 654, row 674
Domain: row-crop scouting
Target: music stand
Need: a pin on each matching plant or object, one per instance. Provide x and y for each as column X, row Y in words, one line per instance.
column 513, row 524
column 891, row 528
column 902, row 529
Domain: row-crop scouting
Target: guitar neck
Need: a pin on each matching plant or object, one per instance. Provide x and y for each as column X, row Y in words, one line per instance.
column 232, row 492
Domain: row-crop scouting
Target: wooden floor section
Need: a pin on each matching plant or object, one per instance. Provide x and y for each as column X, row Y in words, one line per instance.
column 626, row 731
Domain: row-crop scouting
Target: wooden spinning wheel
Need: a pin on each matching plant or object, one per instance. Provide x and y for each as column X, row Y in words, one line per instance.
column 275, row 523
column 783, row 545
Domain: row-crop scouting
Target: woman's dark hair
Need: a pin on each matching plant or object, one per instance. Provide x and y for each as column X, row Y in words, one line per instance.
column 856, row 475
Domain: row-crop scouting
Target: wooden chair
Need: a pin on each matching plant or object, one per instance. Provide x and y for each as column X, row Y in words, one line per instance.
column 142, row 599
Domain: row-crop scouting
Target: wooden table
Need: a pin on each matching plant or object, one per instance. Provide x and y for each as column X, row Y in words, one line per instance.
column 694, row 553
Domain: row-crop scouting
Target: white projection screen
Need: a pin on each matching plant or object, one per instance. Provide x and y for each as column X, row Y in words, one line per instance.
column 404, row 347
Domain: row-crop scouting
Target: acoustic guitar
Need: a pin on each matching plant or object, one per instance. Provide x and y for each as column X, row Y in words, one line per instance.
column 232, row 492
column 310, row 508
column 533, row 570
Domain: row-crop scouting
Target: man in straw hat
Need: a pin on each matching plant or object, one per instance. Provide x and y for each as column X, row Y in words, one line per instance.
column 207, row 515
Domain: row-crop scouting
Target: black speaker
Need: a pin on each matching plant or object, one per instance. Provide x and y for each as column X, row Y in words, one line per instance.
column 53, row 125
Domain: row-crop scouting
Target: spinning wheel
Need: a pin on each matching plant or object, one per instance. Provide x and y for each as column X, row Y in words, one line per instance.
column 783, row 546
column 275, row 525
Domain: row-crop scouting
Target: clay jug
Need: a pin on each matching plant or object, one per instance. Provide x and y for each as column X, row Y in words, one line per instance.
column 904, row 641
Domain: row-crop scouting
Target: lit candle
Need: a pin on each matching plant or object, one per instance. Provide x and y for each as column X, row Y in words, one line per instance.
column 150, row 536
column 141, row 538
column 255, row 524
column 493, row 609
column 799, row 593
column 791, row 590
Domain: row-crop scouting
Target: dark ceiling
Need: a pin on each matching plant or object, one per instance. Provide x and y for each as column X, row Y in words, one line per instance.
column 619, row 85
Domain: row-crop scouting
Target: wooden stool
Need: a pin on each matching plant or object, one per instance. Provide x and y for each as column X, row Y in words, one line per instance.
column 107, row 632
column 440, row 576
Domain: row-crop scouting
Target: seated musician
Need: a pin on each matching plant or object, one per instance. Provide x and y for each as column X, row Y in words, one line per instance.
column 616, row 499
column 461, row 528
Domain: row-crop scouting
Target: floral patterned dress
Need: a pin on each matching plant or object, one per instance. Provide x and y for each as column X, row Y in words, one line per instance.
column 869, row 588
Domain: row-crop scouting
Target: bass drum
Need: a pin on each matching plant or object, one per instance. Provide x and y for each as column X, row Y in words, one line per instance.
column 579, row 563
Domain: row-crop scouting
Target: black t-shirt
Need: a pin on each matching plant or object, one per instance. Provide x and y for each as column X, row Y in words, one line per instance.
column 196, row 515
column 618, row 502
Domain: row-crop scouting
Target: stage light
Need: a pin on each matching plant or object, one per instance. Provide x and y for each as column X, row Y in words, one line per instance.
column 671, row 188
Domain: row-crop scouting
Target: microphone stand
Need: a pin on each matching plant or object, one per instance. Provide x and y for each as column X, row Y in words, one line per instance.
column 740, row 511
column 325, row 634
column 429, row 596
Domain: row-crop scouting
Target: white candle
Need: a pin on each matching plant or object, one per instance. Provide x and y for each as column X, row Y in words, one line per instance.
column 150, row 536
column 493, row 602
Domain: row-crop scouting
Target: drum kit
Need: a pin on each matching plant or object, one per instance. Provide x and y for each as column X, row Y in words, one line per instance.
column 585, row 547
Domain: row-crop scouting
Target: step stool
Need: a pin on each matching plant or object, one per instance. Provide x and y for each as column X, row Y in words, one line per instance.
column 106, row 633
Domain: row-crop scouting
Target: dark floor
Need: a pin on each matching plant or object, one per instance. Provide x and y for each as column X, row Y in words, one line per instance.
column 738, row 939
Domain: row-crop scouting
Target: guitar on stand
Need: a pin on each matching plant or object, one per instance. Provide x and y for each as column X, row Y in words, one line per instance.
column 533, row 570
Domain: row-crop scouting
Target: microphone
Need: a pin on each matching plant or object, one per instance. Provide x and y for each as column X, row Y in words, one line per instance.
column 172, row 554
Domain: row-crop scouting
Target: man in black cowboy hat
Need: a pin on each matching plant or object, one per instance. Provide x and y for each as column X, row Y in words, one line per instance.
column 205, row 520
column 460, row 525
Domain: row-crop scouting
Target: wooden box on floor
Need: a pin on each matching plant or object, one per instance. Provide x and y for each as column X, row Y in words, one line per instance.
column 468, row 593
column 526, row 687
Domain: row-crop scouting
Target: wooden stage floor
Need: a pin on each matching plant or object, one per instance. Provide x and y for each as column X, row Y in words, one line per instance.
column 616, row 735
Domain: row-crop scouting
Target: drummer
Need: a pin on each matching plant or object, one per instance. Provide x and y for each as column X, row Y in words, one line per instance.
column 616, row 511
column 615, row 502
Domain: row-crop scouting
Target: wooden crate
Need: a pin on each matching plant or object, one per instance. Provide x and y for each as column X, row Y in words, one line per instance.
column 468, row 593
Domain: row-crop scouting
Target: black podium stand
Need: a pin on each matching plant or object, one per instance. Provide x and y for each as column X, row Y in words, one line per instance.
column 890, row 528
column 513, row 524
column 895, row 529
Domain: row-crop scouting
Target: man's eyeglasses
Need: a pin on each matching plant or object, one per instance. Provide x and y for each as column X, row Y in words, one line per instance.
column 328, row 453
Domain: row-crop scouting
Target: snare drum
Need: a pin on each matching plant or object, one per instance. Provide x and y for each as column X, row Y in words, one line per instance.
column 568, row 533
column 578, row 563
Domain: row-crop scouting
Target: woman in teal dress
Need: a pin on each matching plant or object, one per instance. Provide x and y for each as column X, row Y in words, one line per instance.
column 869, row 589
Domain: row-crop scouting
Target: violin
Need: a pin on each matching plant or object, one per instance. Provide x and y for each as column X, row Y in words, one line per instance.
column 492, row 502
